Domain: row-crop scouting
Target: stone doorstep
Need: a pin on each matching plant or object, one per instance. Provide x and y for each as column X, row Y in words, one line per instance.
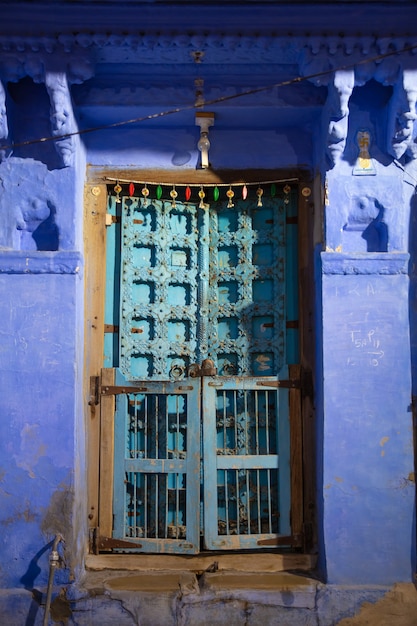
column 276, row 588
column 241, row 562
column 154, row 582
column 279, row 589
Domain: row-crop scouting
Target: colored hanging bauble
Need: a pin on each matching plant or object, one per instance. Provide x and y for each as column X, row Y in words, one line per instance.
column 244, row 192
column 216, row 194
column 145, row 194
column 259, row 193
column 201, row 195
column 230, row 194
column 131, row 189
column 273, row 190
column 117, row 189
column 287, row 190
column 187, row 193
column 173, row 193
column 159, row 192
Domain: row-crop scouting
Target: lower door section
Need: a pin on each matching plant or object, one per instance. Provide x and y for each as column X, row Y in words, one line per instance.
column 157, row 467
column 246, row 451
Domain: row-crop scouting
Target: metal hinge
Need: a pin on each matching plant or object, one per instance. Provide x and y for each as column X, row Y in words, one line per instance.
column 304, row 382
column 113, row 390
column 291, row 383
column 295, row 541
column 98, row 542
column 108, row 543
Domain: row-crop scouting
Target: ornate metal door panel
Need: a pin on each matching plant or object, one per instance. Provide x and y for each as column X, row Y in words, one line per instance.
column 200, row 284
column 247, row 462
column 157, row 466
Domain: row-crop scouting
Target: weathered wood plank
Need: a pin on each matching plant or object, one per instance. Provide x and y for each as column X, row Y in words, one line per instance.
column 95, row 198
column 296, row 454
column 310, row 234
column 106, row 457
column 240, row 562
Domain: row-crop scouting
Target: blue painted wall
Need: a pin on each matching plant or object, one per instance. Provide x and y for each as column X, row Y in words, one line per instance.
column 365, row 313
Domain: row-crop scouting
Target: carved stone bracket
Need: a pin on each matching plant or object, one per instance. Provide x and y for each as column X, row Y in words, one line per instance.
column 57, row 73
column 62, row 116
column 337, row 112
column 402, row 116
column 4, row 129
column 341, row 66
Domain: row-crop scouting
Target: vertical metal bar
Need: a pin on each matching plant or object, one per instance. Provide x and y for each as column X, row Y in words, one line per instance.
column 177, row 507
column 146, row 446
column 166, row 425
column 246, row 421
column 156, row 426
column 166, row 505
column 268, row 473
column 267, row 422
column 126, row 441
column 177, row 434
column 133, row 522
column 248, row 499
column 235, row 418
column 156, row 506
column 237, row 502
column 176, row 481
column 224, row 423
column 256, row 399
column 135, row 508
column 145, row 503
column 258, row 493
column 226, row 500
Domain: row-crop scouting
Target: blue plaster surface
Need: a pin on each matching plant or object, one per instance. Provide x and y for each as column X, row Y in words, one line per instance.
column 240, row 149
column 37, row 407
column 368, row 482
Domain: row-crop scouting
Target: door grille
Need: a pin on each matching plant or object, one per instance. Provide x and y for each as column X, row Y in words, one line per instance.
column 157, row 466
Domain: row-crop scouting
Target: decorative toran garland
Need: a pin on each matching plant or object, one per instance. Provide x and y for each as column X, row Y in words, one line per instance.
column 230, row 194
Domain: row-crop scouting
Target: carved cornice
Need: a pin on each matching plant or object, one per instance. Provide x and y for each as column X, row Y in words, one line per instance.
column 364, row 263
column 242, row 48
column 40, row 262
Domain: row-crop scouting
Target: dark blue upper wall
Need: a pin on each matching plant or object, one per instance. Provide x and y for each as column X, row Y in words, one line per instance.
column 297, row 18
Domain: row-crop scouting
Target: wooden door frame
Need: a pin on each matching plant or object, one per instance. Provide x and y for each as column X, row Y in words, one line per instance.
column 99, row 430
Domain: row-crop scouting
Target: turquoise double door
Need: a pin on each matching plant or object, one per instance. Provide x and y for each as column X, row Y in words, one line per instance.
column 202, row 306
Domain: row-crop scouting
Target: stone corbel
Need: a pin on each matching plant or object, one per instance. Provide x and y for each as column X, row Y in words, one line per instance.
column 4, row 127
column 61, row 115
column 402, row 116
column 336, row 112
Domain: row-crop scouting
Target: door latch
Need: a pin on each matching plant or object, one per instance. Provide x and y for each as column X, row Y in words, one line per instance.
column 207, row 368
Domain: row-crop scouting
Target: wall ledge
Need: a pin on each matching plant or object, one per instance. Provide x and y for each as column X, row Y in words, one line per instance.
column 36, row 262
column 365, row 263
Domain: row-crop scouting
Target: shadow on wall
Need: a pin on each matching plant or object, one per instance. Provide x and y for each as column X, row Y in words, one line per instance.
column 376, row 233
column 38, row 229
column 30, row 119
column 365, row 221
column 28, row 581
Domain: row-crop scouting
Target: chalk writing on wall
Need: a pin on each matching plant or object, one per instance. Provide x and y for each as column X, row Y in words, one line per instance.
column 367, row 347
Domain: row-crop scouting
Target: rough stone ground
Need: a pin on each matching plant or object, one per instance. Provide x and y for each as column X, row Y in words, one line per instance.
column 397, row 608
